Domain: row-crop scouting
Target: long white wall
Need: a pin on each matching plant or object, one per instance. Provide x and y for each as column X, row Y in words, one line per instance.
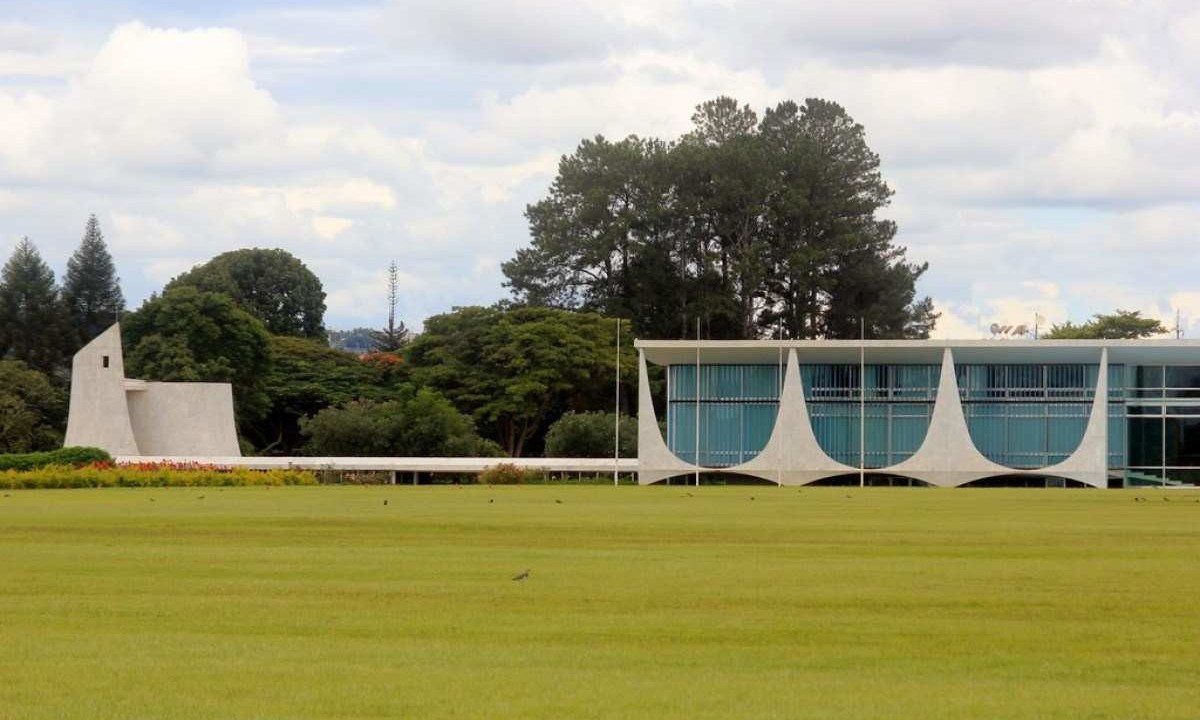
column 948, row 457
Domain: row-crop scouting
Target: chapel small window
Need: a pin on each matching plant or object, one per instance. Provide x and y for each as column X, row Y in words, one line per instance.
column 105, row 361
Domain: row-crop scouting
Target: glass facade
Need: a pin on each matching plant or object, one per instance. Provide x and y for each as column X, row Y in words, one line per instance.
column 1030, row 416
column 737, row 407
column 898, row 400
column 1163, row 420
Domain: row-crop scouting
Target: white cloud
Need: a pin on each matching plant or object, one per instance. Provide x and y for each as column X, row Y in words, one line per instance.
column 1042, row 154
column 329, row 227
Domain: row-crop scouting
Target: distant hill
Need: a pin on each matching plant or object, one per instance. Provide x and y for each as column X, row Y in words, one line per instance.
column 357, row 340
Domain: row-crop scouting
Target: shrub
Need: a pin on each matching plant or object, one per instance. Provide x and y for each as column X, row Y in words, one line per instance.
column 509, row 474
column 68, row 456
column 590, row 435
column 414, row 423
column 104, row 474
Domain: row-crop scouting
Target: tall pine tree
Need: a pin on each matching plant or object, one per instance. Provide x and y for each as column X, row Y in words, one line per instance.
column 35, row 326
column 91, row 287
column 393, row 337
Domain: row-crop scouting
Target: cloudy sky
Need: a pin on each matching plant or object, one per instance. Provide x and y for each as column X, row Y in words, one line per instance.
column 1045, row 153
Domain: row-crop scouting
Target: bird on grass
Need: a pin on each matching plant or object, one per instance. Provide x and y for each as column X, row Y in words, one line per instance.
column 557, row 501
column 751, row 497
column 521, row 576
column 491, row 500
column 199, row 497
column 385, row 502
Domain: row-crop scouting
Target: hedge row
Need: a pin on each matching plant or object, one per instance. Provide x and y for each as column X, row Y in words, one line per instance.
column 63, row 476
column 68, row 456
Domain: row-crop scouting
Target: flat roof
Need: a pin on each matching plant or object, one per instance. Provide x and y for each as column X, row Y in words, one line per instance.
column 905, row 352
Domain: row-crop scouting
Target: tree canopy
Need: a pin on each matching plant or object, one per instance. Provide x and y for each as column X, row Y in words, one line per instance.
column 412, row 423
column 515, row 369
column 32, row 410
column 35, row 326
column 744, row 222
column 195, row 336
column 306, row 377
column 1121, row 325
column 272, row 285
column 91, row 288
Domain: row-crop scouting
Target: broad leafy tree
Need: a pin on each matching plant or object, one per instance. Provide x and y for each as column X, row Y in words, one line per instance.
column 413, row 423
column 35, row 326
column 195, row 336
column 745, row 223
column 514, row 370
column 91, row 288
column 33, row 411
column 272, row 285
column 306, row 377
column 1121, row 325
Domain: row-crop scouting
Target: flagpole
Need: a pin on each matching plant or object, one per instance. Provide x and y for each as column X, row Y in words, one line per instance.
column 697, row 401
column 779, row 397
column 617, row 413
column 862, row 402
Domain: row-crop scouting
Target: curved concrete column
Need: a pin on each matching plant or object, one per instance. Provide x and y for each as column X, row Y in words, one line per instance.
column 655, row 460
column 98, row 415
column 1089, row 463
column 792, row 455
column 948, row 456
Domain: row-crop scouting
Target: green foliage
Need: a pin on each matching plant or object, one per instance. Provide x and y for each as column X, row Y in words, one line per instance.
column 33, row 411
column 1121, row 325
column 91, row 288
column 68, row 457
column 509, row 474
column 590, row 435
column 194, row 336
column 743, row 222
column 272, row 285
column 35, row 326
column 65, row 476
column 306, row 377
column 516, row 369
column 412, row 423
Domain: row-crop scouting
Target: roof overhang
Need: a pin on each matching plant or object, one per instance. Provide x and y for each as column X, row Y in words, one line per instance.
column 908, row 352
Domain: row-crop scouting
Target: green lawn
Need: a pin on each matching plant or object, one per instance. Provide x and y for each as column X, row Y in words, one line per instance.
column 642, row 603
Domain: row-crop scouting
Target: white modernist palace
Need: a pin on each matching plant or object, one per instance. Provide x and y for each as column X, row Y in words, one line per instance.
column 948, row 413
column 136, row 418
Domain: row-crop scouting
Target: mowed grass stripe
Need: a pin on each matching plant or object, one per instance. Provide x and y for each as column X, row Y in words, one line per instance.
column 642, row 603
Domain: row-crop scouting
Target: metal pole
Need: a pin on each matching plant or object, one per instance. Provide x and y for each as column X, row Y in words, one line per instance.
column 697, row 401
column 617, row 415
column 862, row 403
column 779, row 396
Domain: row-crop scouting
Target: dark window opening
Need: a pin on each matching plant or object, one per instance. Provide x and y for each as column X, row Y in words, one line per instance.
column 105, row 361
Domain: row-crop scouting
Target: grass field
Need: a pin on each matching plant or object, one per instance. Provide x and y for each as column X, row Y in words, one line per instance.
column 758, row 602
